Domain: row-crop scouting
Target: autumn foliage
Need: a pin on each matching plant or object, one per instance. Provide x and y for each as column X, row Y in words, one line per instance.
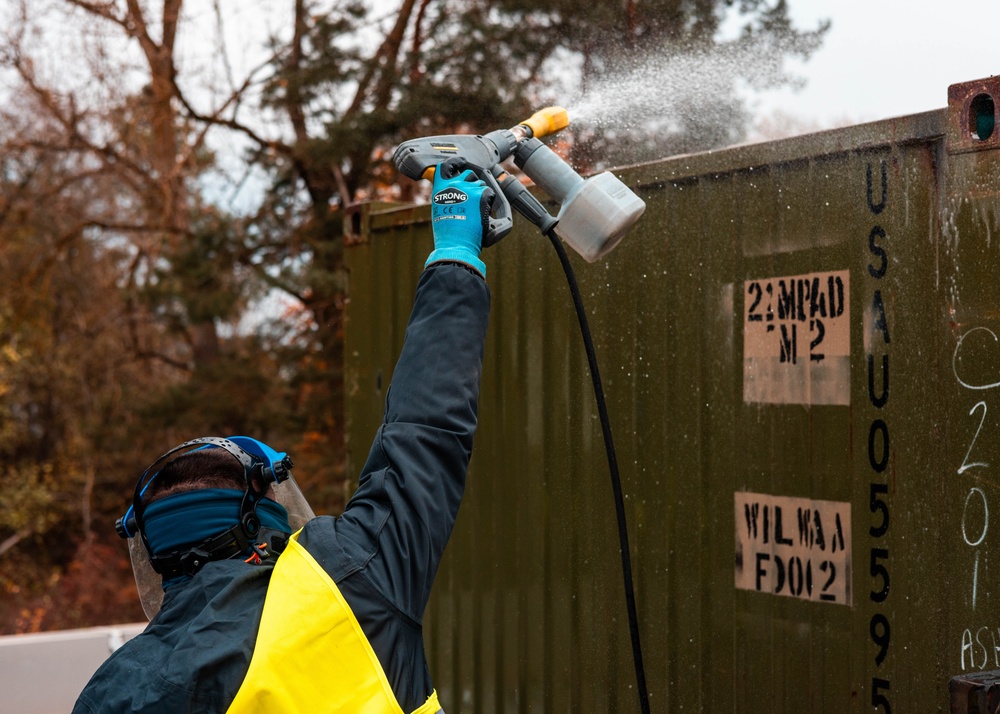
column 171, row 229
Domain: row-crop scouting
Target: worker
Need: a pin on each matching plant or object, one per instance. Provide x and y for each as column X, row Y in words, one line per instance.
column 251, row 613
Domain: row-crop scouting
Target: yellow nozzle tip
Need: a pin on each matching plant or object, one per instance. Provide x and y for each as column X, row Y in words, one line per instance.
column 547, row 121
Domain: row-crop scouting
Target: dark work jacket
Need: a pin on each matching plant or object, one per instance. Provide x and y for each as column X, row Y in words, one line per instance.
column 383, row 552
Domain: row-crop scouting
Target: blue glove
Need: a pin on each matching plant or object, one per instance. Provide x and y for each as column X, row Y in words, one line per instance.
column 460, row 211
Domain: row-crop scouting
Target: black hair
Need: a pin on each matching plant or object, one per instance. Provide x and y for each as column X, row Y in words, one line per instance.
column 202, row 468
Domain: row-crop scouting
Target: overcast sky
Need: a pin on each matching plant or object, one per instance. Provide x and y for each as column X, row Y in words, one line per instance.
column 885, row 58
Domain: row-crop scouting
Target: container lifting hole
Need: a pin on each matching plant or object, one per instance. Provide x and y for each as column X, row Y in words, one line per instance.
column 982, row 117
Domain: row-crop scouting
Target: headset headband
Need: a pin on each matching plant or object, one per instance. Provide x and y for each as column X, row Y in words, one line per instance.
column 257, row 459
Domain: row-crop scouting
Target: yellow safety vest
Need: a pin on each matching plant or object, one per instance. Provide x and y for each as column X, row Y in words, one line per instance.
column 311, row 653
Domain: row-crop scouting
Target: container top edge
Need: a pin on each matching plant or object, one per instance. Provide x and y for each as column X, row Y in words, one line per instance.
column 924, row 127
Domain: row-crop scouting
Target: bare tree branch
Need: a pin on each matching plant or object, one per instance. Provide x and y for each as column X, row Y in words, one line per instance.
column 296, row 109
column 418, row 41
column 70, row 123
column 223, row 51
column 316, row 186
column 13, row 540
column 171, row 20
column 135, row 25
column 102, row 10
column 279, row 284
column 385, row 60
column 216, row 118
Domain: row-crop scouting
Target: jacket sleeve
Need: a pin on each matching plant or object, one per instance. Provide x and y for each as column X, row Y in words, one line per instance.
column 398, row 522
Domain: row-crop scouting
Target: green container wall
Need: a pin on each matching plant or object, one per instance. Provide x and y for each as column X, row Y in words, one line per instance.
column 528, row 611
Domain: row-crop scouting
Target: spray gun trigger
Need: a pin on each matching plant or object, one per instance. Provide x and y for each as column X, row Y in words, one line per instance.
column 496, row 226
column 450, row 168
column 486, row 206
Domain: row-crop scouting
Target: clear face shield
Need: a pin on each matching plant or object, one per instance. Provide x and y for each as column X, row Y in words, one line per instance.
column 259, row 460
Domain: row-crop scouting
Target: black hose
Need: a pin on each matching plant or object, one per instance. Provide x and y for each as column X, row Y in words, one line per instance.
column 616, row 481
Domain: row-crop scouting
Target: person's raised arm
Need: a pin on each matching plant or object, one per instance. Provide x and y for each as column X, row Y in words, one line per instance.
column 412, row 485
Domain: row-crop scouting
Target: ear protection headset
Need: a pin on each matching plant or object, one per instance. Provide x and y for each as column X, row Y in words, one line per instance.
column 259, row 461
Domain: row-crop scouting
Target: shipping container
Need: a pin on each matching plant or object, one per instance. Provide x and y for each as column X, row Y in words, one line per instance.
column 44, row 672
column 800, row 345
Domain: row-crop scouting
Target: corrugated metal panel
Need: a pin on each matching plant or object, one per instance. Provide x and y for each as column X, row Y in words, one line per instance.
column 798, row 336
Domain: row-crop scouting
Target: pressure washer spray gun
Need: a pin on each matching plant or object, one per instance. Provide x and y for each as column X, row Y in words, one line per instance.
column 594, row 215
